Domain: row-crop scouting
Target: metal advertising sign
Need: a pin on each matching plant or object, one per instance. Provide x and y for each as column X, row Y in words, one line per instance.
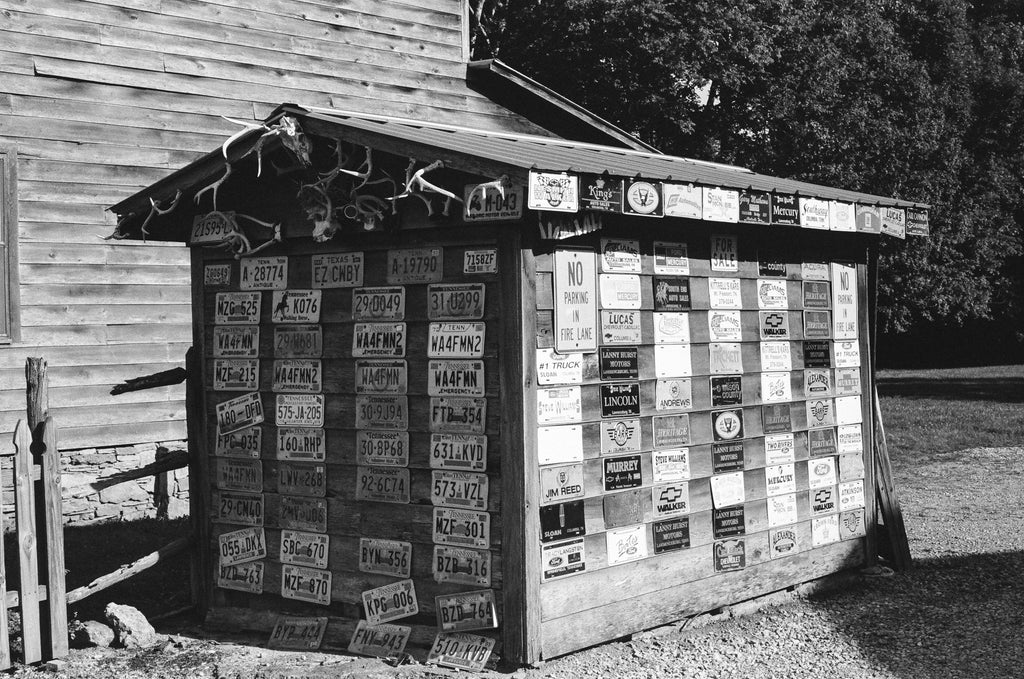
column 727, row 489
column 671, row 431
column 456, row 340
column 894, row 222
column 620, row 327
column 869, row 219
column 480, row 261
column 821, row 472
column 242, row 443
column 821, row 412
column 383, row 484
column 620, row 399
column 817, row 382
column 463, row 527
column 917, row 222
column 378, row 304
column 458, row 451
column 847, row 381
column 559, row 484
column 239, row 546
column 563, row 558
column 626, row 544
column 556, row 368
column 337, row 270
column 599, row 194
column 671, row 465
column 780, row 479
column 460, row 651
column 851, row 495
column 386, row 557
column 813, row 213
column 850, row 439
column 782, row 542
column 672, row 360
column 242, row 508
column 841, row 216
column 619, row 363
column 776, row 387
column 296, row 306
column 851, row 524
column 458, row 489
column 417, row 265
column 302, row 513
column 847, row 354
column 463, row 566
column 779, row 448
column 817, row 324
column 821, row 441
column 755, row 207
column 730, row 555
column 241, row 577
column 823, row 500
column 775, row 357
column 390, row 602
column 619, row 291
column 622, row 509
column 557, row 445
column 239, row 413
column 770, row 262
column 622, row 472
column 379, row 641
column 304, row 549
column 724, row 293
column 673, row 394
column 263, row 273
column 563, row 520
column 683, row 200
column 727, row 457
column 385, row 340
column 782, row 510
column 643, row 199
column 773, row 325
column 382, row 377
column 299, row 410
column 497, row 205
column 670, row 499
column 727, row 425
column 236, row 375
column 785, row 210
column 771, row 294
column 237, row 308
column 382, row 411
column 848, row 410
column 671, row 294
column 382, row 448
column 299, row 478
column 236, row 341
column 776, row 418
column 466, row 611
column 239, row 474
column 726, row 390
column 298, row 375
column 671, row 258
column 620, row 256
column 723, row 253
column 728, row 522
column 726, row 358
column 553, row 192
column 298, row 633
column 671, row 535
column 454, row 301
column 725, row 326
column 817, row 270
column 298, row 341
column 671, row 327
column 816, row 295
column 817, row 354
column 306, row 584
column 721, row 205
column 824, row 530
column 620, row 436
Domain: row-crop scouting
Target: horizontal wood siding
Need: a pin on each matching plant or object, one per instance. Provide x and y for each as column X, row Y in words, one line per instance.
column 103, row 98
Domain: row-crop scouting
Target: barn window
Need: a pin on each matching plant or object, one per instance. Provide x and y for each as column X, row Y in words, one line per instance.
column 8, row 244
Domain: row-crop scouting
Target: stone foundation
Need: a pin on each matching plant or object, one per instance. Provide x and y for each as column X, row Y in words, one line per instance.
column 89, row 497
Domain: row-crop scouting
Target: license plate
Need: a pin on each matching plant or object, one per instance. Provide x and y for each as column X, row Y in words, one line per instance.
column 236, row 375
column 390, row 602
column 386, row 557
column 306, row 584
column 264, row 273
column 455, row 378
column 382, row 412
column 420, row 265
column 212, row 227
column 239, row 474
column 455, row 301
column 217, row 275
column 382, row 448
column 383, row 484
column 303, row 634
column 466, row 611
column 243, row 508
column 378, row 304
column 242, row 577
column 378, row 339
column 237, row 308
column 379, row 641
column 242, row 443
column 382, row 377
column 304, row 549
column 456, row 340
column 338, row 270
column 464, row 566
column 300, row 410
column 301, row 513
column 458, row 489
column 458, row 415
column 461, row 527
column 298, row 341
column 460, row 651
column 480, row 261
column 296, row 478
column 458, row 451
column 239, row 413
column 302, row 444
column 239, row 546
column 296, row 306
column 303, row 375
column 236, row 341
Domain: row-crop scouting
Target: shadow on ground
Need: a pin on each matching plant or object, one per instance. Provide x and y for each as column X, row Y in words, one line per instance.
column 1003, row 389
column 957, row 616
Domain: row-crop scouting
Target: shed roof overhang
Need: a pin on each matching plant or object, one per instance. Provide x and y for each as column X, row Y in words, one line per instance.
column 489, row 154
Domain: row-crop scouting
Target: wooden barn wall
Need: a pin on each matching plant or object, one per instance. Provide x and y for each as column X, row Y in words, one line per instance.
column 102, row 98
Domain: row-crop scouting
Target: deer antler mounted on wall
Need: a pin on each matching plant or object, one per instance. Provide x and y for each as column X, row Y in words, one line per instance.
column 154, row 210
column 235, row 241
column 416, row 185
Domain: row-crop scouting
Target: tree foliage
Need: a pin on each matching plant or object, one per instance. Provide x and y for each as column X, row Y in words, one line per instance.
column 916, row 99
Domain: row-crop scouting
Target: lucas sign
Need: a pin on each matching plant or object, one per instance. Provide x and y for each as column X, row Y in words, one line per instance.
column 575, row 301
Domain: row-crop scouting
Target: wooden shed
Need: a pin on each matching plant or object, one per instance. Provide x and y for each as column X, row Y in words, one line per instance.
column 460, row 391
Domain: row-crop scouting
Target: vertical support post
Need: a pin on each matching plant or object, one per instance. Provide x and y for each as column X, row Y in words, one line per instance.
column 56, row 586
column 25, row 521
column 5, row 646
column 197, row 503
column 37, row 395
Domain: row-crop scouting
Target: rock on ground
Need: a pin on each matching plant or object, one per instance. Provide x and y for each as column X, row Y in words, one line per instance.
column 89, row 634
column 130, row 626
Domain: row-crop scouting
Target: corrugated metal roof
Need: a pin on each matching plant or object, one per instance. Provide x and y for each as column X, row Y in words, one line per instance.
column 559, row 155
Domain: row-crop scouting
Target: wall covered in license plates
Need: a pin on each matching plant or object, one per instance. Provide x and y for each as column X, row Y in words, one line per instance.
column 699, row 419
column 352, row 435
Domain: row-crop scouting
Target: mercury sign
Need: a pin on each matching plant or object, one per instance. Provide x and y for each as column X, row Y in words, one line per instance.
column 575, row 301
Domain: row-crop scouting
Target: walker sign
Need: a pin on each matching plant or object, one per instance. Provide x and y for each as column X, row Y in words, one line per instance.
column 575, row 301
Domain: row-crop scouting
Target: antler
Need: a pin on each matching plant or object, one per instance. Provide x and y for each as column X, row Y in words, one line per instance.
column 417, row 185
column 155, row 210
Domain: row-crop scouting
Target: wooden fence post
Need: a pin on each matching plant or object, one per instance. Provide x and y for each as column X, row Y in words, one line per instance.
column 25, row 520
column 56, row 585
column 5, row 646
column 37, row 395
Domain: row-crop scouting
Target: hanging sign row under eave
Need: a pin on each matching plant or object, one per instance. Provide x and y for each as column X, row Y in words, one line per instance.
column 572, row 193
